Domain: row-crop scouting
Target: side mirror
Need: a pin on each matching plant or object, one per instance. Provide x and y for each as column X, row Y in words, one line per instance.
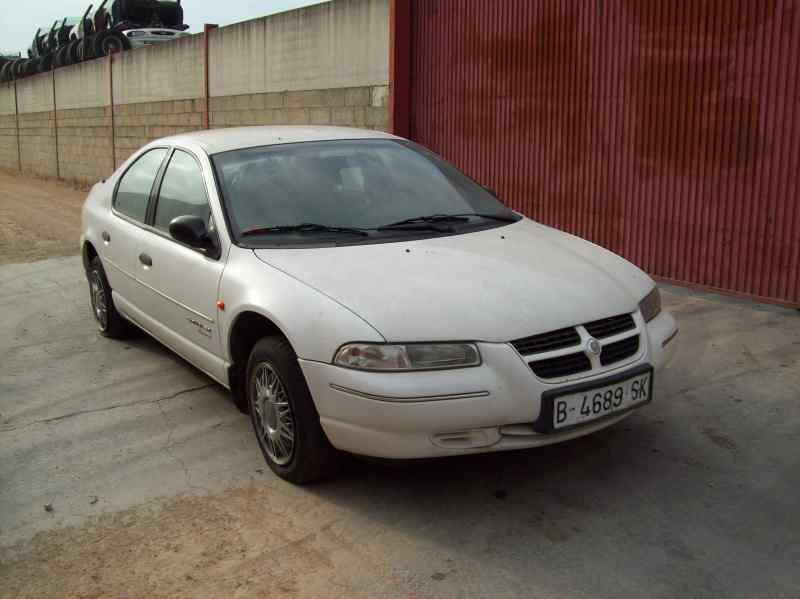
column 192, row 231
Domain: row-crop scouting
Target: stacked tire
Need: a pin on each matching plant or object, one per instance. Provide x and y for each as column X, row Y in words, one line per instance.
column 109, row 42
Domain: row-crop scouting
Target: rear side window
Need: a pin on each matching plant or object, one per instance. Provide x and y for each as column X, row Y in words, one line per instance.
column 134, row 189
column 182, row 192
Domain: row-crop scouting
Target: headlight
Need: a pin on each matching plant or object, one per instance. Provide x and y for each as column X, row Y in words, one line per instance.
column 413, row 356
column 651, row 305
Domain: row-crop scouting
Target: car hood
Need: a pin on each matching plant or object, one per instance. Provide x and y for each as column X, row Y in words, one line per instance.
column 493, row 285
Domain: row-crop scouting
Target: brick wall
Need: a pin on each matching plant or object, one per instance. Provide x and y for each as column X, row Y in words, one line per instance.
column 86, row 153
column 84, row 144
column 8, row 142
column 325, row 64
column 138, row 124
column 364, row 107
column 37, row 140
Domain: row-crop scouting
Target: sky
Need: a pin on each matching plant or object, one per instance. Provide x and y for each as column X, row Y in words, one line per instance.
column 17, row 26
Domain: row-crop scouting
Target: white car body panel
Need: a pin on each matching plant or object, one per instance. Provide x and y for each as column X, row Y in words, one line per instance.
column 150, row 36
column 489, row 287
column 315, row 325
column 507, row 282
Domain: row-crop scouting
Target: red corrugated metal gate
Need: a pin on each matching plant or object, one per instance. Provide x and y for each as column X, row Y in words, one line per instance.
column 668, row 132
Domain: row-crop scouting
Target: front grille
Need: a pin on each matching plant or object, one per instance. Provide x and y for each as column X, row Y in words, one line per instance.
column 619, row 350
column 608, row 327
column 553, row 368
column 543, row 342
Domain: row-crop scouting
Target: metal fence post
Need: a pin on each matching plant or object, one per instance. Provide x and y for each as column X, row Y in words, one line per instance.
column 207, row 28
column 16, row 121
column 111, row 107
column 55, row 123
column 400, row 67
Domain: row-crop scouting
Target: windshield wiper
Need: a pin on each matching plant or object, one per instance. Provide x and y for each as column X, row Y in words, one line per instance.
column 301, row 228
column 434, row 219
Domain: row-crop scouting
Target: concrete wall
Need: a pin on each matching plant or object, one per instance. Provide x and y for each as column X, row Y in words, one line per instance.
column 84, row 143
column 84, row 85
column 8, row 128
column 35, row 94
column 353, row 106
column 138, row 124
column 336, row 44
column 172, row 71
column 325, row 64
column 37, row 140
column 7, row 104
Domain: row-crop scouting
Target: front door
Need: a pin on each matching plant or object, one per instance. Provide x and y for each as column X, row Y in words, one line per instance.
column 181, row 283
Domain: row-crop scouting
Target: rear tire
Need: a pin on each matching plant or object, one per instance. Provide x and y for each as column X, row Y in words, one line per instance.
column 284, row 417
column 109, row 321
column 110, row 41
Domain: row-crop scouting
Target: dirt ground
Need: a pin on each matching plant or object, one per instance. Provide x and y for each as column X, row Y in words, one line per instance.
column 126, row 473
column 38, row 219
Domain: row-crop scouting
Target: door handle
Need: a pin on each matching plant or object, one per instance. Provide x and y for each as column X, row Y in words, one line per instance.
column 106, row 237
column 145, row 259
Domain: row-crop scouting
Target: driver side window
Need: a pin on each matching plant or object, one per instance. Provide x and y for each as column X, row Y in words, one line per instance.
column 182, row 192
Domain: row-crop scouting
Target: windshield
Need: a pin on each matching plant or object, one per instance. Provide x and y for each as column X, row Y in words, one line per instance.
column 356, row 184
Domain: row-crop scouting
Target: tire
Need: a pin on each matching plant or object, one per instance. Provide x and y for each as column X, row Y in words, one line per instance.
column 58, row 58
column 283, row 414
column 21, row 68
column 45, row 63
column 71, row 53
column 109, row 321
column 107, row 42
column 86, row 48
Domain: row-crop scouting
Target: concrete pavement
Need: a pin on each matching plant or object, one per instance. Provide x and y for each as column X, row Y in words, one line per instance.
column 157, row 487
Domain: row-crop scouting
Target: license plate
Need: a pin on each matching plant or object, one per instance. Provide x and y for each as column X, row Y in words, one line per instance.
column 583, row 406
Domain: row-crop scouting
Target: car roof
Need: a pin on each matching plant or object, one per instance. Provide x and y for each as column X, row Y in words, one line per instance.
column 215, row 141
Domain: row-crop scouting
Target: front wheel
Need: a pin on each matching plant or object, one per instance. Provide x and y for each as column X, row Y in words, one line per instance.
column 284, row 417
column 109, row 321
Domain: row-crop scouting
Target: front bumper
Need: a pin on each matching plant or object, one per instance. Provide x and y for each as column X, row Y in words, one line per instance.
column 491, row 407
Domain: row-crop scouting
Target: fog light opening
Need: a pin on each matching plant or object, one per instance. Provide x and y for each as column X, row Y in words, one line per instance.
column 464, row 439
column 670, row 338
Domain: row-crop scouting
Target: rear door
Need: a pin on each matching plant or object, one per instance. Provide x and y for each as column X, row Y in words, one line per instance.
column 180, row 282
column 125, row 228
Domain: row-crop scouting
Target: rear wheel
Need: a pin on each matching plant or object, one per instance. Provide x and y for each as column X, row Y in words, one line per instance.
column 110, row 322
column 108, row 42
column 284, row 417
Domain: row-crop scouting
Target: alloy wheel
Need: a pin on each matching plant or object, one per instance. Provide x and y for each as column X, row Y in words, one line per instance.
column 98, row 295
column 273, row 414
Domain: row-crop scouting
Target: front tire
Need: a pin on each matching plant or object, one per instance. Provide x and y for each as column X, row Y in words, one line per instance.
column 284, row 417
column 109, row 321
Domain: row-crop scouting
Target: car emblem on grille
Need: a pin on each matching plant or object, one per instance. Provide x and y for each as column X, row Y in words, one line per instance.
column 593, row 347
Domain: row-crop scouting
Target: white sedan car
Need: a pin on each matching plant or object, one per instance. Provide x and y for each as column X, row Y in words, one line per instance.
column 357, row 293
